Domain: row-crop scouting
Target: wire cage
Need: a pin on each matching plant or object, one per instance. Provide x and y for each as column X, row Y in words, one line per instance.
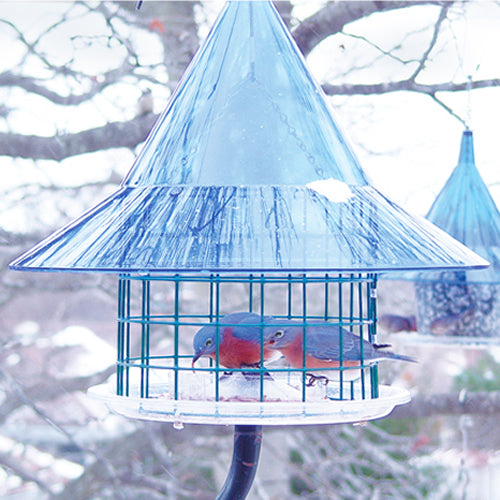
column 159, row 315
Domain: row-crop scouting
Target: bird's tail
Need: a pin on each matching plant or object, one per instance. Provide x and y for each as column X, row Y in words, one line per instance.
column 392, row 355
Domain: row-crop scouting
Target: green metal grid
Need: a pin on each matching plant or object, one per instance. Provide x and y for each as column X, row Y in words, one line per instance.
column 159, row 315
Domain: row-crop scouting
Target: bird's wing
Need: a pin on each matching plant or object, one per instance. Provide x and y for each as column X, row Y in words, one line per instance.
column 323, row 342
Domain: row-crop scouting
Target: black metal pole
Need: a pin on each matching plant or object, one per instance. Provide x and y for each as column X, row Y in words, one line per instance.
column 247, row 441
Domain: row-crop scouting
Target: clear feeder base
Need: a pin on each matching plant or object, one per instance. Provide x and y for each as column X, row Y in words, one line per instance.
column 238, row 402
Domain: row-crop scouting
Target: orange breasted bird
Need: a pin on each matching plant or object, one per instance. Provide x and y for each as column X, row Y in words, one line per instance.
column 323, row 347
column 239, row 340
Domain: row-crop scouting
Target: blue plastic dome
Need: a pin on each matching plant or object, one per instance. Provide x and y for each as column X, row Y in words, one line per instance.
column 247, row 170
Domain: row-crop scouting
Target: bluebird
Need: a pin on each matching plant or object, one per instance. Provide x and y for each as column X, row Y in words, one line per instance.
column 239, row 340
column 394, row 323
column 452, row 324
column 323, row 348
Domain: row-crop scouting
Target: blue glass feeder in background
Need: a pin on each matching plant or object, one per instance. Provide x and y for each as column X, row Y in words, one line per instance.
column 245, row 197
column 463, row 306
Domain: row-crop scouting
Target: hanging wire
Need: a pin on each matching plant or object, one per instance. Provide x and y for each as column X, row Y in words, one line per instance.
column 468, row 116
column 462, row 69
column 468, row 110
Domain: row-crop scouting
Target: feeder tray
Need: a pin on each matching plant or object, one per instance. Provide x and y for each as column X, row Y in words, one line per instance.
column 251, row 413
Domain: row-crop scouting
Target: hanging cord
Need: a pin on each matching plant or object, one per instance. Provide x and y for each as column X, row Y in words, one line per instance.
column 138, row 5
column 468, row 110
column 468, row 115
column 463, row 70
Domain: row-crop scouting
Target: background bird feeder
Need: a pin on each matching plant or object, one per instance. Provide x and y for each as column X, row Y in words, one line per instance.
column 462, row 306
column 245, row 198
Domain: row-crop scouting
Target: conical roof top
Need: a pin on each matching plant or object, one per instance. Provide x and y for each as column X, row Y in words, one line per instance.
column 247, row 170
column 246, row 112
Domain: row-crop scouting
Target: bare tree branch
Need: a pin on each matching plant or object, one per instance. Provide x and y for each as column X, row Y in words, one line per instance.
column 34, row 85
column 442, row 16
column 329, row 20
column 332, row 19
column 448, row 109
column 113, row 135
column 130, row 134
column 20, row 469
column 407, row 85
column 47, row 389
column 176, row 27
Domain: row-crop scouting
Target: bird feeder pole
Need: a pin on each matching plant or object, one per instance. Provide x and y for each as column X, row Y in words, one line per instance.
column 246, row 452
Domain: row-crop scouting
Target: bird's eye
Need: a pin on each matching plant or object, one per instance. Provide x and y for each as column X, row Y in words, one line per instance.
column 208, row 342
column 279, row 334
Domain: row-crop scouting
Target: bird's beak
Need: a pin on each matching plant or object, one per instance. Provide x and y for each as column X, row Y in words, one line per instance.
column 271, row 345
column 196, row 357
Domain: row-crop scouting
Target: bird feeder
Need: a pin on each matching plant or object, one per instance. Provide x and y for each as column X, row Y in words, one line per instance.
column 463, row 306
column 245, row 199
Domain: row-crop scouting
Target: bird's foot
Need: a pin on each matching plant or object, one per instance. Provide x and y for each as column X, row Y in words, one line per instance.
column 316, row 378
column 253, row 365
column 253, row 375
column 250, row 376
